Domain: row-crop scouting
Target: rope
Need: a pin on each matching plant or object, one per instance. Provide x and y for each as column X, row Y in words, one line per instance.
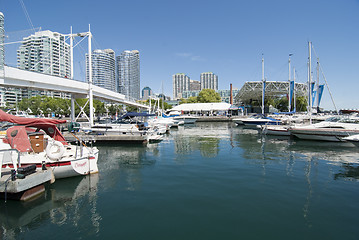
column 5, row 183
column 79, row 140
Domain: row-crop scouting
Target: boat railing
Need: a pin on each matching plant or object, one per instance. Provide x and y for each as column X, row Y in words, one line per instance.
column 5, row 155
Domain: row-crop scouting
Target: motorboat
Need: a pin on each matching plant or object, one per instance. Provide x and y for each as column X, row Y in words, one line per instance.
column 239, row 121
column 260, row 119
column 131, row 123
column 39, row 142
column 333, row 129
column 180, row 119
column 186, row 119
column 277, row 130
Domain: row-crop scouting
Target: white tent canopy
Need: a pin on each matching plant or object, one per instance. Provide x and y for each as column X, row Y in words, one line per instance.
column 197, row 107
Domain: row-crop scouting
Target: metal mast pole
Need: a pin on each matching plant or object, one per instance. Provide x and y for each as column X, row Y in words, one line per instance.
column 263, row 85
column 289, row 96
column 71, row 54
column 294, row 97
column 90, row 76
column 310, row 80
column 72, row 74
column 317, row 100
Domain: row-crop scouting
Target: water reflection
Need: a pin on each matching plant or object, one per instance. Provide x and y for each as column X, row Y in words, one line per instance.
column 349, row 171
column 71, row 201
column 123, row 164
column 248, row 178
column 204, row 137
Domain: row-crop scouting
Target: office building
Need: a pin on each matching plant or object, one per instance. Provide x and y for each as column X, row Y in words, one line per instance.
column 128, row 74
column 146, row 93
column 180, row 83
column 45, row 52
column 209, row 81
column 103, row 69
column 226, row 95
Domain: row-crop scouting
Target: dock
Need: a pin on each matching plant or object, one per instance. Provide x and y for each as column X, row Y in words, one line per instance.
column 24, row 187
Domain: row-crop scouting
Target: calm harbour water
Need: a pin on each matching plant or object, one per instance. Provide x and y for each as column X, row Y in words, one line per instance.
column 205, row 181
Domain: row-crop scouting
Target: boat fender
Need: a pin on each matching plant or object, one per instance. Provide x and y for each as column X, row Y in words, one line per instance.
column 55, row 150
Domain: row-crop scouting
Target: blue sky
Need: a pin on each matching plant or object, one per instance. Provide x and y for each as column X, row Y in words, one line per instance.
column 227, row 37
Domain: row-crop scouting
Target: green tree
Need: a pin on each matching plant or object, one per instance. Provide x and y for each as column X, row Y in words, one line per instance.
column 208, row 95
column 114, row 108
column 192, row 100
column 301, row 104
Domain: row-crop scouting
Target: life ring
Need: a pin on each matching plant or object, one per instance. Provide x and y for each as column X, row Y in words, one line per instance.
column 55, row 150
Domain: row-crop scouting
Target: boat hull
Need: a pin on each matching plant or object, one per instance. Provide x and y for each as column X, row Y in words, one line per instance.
column 62, row 168
column 322, row 134
column 186, row 119
column 276, row 130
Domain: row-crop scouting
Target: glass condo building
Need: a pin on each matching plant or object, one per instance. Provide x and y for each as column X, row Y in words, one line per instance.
column 103, row 68
column 128, row 74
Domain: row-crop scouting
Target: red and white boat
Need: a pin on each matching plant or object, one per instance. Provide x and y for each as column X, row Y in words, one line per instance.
column 38, row 141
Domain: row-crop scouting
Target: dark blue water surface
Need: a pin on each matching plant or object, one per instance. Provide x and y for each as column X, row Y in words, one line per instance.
column 205, row 181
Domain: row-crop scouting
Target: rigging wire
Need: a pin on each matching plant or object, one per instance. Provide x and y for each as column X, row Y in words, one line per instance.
column 27, row 15
column 326, row 83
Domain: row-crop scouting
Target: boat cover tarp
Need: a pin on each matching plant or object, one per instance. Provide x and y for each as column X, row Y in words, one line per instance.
column 6, row 117
column 135, row 114
column 17, row 136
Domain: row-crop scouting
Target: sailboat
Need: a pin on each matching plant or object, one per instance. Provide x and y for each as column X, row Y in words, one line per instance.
column 260, row 119
column 282, row 130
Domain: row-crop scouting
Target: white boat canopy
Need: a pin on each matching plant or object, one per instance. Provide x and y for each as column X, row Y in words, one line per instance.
column 197, row 107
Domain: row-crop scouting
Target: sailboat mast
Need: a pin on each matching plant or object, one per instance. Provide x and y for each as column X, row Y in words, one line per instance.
column 294, row 97
column 309, row 78
column 289, row 95
column 263, row 85
column 317, row 97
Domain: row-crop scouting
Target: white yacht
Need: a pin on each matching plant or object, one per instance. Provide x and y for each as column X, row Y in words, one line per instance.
column 333, row 129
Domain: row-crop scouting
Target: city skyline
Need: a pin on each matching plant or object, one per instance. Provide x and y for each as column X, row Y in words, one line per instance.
column 231, row 43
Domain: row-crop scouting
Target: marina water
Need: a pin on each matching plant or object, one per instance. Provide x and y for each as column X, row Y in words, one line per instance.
column 204, row 181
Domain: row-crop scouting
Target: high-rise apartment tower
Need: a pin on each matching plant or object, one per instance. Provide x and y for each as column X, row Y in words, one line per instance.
column 103, row 68
column 180, row 83
column 45, row 52
column 128, row 73
column 209, row 80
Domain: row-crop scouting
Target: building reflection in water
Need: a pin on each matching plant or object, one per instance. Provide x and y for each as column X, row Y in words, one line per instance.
column 203, row 137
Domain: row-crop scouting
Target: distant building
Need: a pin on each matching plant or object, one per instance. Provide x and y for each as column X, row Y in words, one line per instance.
column 226, row 94
column 180, row 83
column 128, row 73
column 103, row 69
column 146, row 93
column 162, row 96
column 209, row 81
column 2, row 37
column 188, row 94
column 195, row 85
column 45, row 52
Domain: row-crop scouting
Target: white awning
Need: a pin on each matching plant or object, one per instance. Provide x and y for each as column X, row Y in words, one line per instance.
column 202, row 107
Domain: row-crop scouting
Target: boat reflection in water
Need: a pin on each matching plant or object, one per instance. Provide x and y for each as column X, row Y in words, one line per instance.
column 71, row 200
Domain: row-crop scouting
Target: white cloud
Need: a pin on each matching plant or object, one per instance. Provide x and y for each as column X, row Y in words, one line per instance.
column 190, row 56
